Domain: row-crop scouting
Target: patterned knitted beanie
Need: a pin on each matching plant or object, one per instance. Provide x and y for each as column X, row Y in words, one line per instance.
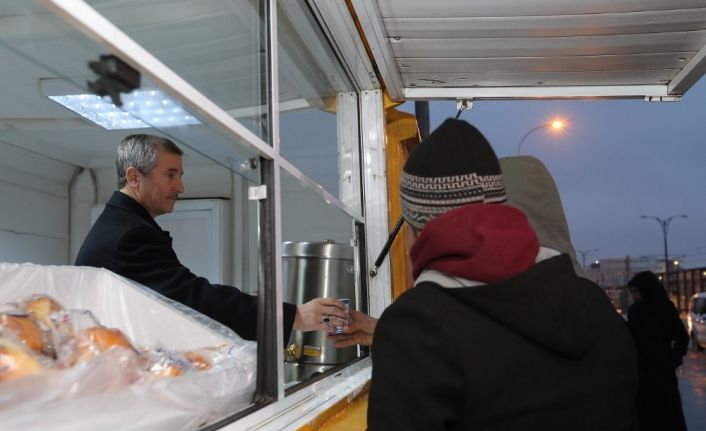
column 452, row 167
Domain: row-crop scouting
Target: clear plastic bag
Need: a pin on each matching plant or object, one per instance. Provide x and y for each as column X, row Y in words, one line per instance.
column 114, row 390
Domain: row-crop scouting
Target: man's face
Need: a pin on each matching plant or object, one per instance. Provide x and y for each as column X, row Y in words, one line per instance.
column 158, row 191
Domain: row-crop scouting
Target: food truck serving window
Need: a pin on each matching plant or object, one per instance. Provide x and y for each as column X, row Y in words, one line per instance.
column 271, row 163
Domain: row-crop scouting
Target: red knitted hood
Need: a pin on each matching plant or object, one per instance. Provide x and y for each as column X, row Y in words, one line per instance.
column 489, row 243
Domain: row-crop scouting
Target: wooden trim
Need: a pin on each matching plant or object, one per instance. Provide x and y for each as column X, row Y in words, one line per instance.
column 402, row 136
column 349, row 414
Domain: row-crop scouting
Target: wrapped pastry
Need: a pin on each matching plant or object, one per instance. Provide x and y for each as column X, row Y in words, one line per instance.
column 40, row 308
column 24, row 329
column 91, row 342
column 164, row 363
column 103, row 338
column 16, row 361
column 167, row 369
column 66, row 325
column 199, row 361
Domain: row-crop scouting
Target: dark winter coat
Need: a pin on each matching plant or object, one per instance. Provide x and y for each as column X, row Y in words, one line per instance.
column 661, row 341
column 543, row 349
column 125, row 239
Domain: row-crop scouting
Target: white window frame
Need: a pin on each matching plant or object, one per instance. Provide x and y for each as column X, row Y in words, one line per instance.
column 310, row 401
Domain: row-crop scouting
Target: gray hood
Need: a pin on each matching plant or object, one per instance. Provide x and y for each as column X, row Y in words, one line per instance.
column 531, row 189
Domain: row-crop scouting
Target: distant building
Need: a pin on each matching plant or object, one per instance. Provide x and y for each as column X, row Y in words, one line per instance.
column 683, row 283
column 613, row 275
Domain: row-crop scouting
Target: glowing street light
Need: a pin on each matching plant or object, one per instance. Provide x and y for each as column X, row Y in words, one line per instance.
column 555, row 125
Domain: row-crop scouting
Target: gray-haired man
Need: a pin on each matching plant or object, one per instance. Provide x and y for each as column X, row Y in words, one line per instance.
column 126, row 240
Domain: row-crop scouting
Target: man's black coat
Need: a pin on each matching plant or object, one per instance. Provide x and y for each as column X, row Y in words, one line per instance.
column 126, row 240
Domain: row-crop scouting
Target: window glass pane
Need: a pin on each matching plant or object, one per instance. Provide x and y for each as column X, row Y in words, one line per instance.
column 57, row 171
column 317, row 261
column 216, row 45
column 317, row 106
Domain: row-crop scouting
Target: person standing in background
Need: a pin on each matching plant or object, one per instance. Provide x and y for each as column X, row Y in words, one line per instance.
column 661, row 341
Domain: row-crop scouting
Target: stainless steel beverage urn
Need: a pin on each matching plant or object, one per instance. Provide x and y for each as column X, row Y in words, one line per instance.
column 313, row 270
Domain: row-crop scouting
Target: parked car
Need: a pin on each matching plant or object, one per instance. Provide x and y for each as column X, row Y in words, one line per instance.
column 697, row 321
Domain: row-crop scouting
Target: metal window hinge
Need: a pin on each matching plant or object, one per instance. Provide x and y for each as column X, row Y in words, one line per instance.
column 257, row 193
column 462, row 105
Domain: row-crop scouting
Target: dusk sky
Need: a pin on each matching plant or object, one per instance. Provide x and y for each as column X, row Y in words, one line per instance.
column 616, row 160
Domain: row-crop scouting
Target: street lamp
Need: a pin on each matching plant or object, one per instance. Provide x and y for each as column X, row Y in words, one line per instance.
column 583, row 255
column 556, row 125
column 664, row 224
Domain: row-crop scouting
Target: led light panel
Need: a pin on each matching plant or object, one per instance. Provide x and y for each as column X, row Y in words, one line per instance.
column 141, row 109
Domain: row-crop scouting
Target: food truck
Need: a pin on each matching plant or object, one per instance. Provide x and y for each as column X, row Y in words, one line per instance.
column 287, row 113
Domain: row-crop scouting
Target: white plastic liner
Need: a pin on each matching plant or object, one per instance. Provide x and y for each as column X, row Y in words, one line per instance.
column 111, row 392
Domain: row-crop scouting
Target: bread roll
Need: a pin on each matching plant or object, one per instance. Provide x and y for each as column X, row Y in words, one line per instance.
column 104, row 338
column 91, row 342
column 15, row 362
column 40, row 307
column 24, row 328
column 171, row 370
column 198, row 361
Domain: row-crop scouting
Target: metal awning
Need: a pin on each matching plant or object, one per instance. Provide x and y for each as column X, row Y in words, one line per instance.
column 489, row 49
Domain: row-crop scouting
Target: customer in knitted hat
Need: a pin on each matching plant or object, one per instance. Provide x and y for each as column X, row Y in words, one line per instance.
column 494, row 334
column 453, row 167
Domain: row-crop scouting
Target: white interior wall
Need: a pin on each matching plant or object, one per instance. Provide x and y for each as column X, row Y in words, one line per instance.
column 34, row 224
column 82, row 198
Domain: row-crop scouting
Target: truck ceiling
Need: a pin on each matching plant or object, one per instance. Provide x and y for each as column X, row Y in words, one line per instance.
column 509, row 49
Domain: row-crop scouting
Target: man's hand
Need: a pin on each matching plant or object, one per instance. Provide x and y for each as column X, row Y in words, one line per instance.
column 360, row 330
column 316, row 314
